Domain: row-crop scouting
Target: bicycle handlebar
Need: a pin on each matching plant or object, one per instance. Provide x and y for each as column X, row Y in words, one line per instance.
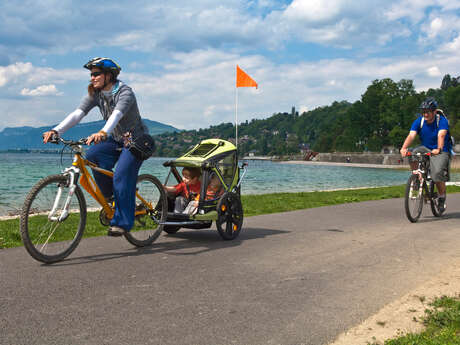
column 55, row 139
column 409, row 153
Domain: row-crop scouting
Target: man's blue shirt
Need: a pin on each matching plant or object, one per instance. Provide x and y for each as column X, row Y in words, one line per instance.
column 429, row 132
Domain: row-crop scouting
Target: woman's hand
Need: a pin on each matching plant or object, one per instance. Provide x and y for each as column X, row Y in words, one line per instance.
column 48, row 135
column 96, row 138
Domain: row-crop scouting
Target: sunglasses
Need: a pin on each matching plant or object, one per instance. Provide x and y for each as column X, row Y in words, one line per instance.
column 95, row 74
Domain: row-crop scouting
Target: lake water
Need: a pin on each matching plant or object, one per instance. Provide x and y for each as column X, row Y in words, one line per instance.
column 20, row 171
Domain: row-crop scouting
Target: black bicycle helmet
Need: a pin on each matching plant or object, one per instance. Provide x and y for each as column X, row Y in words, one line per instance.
column 105, row 64
column 429, row 104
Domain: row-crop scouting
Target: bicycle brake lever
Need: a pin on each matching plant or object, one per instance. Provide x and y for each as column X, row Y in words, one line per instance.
column 54, row 139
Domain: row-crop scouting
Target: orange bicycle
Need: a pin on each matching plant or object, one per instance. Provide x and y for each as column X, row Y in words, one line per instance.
column 53, row 216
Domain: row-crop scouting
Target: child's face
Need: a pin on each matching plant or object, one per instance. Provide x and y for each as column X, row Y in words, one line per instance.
column 188, row 179
column 214, row 184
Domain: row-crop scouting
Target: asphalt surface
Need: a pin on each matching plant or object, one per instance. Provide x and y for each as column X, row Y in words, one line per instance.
column 300, row 277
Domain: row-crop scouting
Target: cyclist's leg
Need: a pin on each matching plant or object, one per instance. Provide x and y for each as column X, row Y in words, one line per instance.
column 439, row 166
column 124, row 190
column 105, row 155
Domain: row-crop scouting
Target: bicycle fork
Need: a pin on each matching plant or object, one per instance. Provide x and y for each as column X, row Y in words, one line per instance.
column 73, row 172
column 419, row 175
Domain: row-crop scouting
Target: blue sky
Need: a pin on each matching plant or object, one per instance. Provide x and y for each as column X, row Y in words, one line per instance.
column 180, row 56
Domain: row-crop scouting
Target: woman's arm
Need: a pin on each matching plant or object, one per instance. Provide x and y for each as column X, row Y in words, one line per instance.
column 71, row 120
column 112, row 121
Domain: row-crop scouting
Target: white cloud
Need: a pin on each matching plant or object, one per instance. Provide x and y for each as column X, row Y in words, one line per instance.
column 435, row 27
column 434, row 71
column 209, row 110
column 315, row 10
column 11, row 72
column 449, row 4
column 452, row 46
column 412, row 9
column 42, row 90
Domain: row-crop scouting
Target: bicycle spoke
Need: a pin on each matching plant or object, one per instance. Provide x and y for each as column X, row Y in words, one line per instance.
column 151, row 211
column 47, row 240
column 49, row 237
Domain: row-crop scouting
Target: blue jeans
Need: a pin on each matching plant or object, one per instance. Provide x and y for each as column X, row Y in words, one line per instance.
column 123, row 185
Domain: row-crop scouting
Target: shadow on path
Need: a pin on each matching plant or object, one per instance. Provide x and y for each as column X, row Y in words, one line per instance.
column 193, row 242
column 446, row 216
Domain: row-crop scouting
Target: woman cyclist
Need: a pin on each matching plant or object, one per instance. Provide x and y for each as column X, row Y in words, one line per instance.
column 119, row 109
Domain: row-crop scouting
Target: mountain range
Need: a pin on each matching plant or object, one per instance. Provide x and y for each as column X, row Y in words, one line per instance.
column 27, row 138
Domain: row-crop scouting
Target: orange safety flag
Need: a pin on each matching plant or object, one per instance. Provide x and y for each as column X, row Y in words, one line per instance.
column 243, row 79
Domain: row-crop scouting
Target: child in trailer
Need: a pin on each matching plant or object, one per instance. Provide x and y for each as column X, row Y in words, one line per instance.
column 187, row 190
column 214, row 189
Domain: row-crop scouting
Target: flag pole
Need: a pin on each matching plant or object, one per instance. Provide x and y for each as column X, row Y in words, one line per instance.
column 236, row 117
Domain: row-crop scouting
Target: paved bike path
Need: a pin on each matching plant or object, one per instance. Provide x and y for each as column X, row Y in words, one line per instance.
column 299, row 277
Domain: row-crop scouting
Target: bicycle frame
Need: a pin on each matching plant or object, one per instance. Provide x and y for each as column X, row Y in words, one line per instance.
column 89, row 184
column 79, row 173
column 423, row 172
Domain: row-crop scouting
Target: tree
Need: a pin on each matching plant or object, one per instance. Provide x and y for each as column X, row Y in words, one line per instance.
column 446, row 82
column 452, row 102
column 397, row 136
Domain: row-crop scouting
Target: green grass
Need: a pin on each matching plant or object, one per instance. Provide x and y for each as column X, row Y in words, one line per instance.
column 253, row 205
column 442, row 322
column 282, row 202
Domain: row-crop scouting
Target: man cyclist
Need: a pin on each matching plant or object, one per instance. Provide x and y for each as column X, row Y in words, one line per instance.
column 432, row 129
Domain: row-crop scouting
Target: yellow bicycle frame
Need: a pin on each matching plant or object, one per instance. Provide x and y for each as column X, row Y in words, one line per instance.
column 89, row 184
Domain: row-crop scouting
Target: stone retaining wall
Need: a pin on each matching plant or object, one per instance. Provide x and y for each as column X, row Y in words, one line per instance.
column 371, row 158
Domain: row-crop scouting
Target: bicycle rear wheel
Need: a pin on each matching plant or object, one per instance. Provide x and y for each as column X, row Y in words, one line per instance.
column 47, row 233
column 414, row 198
column 151, row 211
column 434, row 200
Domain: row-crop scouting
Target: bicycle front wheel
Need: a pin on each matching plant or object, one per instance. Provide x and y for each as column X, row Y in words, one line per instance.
column 414, row 198
column 434, row 200
column 48, row 231
column 151, row 211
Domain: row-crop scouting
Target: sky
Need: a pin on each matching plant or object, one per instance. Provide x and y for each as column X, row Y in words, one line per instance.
column 180, row 56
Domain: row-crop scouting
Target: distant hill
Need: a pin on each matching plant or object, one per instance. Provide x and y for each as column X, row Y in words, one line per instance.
column 31, row 137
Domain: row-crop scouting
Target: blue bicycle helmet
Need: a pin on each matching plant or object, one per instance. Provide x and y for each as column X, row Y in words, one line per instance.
column 429, row 104
column 105, row 64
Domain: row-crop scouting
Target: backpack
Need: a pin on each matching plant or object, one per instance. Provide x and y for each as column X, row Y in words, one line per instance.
column 440, row 113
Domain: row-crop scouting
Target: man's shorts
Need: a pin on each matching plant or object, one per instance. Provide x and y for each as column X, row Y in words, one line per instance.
column 439, row 164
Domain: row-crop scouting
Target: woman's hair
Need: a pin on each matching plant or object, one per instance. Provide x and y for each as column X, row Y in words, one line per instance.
column 193, row 172
column 91, row 90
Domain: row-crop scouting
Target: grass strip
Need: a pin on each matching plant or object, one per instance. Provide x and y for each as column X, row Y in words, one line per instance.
column 442, row 322
column 253, row 205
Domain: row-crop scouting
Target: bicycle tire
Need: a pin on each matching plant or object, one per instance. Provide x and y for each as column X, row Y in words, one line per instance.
column 148, row 227
column 39, row 233
column 433, row 200
column 230, row 216
column 413, row 200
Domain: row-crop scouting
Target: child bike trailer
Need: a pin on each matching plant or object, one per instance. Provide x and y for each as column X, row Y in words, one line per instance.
column 219, row 199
